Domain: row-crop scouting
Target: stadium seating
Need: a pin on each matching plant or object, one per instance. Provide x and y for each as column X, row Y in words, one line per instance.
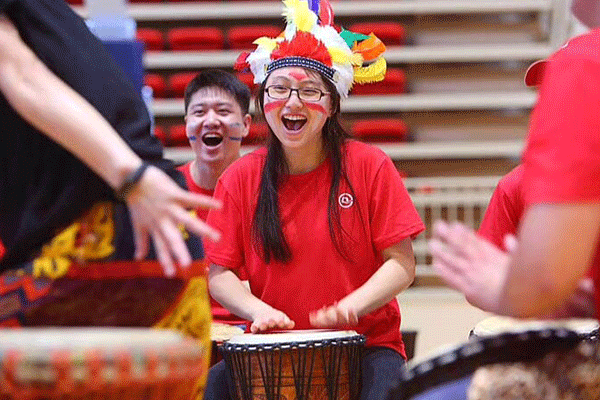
column 380, row 130
column 241, row 37
column 190, row 38
column 153, row 39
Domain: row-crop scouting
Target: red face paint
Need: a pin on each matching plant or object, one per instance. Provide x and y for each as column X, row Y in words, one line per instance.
column 274, row 104
column 298, row 75
column 316, row 107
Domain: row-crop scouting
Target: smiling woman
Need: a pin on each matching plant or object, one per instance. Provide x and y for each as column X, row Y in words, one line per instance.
column 321, row 224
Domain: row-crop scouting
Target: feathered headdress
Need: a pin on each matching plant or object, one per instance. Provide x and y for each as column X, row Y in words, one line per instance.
column 311, row 40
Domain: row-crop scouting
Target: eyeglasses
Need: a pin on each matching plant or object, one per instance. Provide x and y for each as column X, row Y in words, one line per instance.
column 279, row 92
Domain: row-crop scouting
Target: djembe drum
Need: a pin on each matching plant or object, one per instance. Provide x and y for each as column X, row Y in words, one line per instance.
column 99, row 364
column 311, row 365
column 530, row 362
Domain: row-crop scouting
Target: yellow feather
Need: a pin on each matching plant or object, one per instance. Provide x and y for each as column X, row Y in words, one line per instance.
column 373, row 73
column 357, row 59
column 304, row 18
column 338, row 56
column 266, row 42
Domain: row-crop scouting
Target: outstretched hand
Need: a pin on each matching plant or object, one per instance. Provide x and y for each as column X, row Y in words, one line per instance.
column 332, row 316
column 470, row 264
column 271, row 319
column 158, row 207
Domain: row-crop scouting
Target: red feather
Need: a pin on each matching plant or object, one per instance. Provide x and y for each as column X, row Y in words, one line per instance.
column 241, row 64
column 304, row 45
column 326, row 13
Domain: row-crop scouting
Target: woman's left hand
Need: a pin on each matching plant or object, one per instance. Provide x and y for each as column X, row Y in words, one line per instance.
column 333, row 316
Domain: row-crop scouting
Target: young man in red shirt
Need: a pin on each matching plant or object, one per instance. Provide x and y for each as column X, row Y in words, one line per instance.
column 216, row 121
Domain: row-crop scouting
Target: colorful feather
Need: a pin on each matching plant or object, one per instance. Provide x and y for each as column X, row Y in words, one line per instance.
column 373, row 73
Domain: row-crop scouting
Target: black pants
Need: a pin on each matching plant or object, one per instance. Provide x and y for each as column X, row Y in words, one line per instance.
column 381, row 369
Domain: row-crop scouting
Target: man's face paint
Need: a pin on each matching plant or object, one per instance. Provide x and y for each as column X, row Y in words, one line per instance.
column 215, row 125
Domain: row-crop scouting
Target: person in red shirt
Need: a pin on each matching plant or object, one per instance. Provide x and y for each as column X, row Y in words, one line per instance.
column 322, row 224
column 557, row 240
column 216, row 121
column 505, row 209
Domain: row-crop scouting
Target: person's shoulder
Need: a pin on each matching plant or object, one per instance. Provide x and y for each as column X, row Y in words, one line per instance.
column 585, row 46
column 184, row 168
column 360, row 153
column 511, row 182
column 246, row 166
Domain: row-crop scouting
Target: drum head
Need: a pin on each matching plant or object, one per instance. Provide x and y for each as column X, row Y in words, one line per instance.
column 220, row 332
column 308, row 335
column 498, row 324
column 77, row 339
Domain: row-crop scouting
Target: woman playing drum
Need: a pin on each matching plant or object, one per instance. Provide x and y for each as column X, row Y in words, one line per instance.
column 322, row 224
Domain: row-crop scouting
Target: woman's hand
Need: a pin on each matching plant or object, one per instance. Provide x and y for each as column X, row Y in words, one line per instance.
column 271, row 319
column 332, row 316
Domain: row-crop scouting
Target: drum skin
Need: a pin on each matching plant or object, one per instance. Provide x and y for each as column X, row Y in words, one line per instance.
column 301, row 368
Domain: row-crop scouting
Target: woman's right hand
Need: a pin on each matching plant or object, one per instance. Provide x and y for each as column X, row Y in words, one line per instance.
column 271, row 319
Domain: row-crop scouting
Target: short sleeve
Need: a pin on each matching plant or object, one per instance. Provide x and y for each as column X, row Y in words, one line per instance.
column 392, row 213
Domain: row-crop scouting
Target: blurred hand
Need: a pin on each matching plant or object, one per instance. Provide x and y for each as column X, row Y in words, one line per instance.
column 332, row 316
column 271, row 319
column 470, row 264
column 158, row 206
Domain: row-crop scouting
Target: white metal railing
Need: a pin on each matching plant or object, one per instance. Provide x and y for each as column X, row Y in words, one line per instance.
column 510, row 149
column 450, row 198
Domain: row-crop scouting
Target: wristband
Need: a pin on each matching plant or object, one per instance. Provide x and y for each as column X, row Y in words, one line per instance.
column 130, row 181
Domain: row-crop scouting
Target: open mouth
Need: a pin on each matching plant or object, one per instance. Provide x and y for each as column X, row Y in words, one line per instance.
column 212, row 140
column 293, row 122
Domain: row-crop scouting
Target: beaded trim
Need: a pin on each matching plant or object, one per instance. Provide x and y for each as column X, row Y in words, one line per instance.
column 315, row 65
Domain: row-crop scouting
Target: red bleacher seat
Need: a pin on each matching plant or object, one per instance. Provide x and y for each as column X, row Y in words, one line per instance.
column 205, row 38
column 75, row 2
column 386, row 130
column 178, row 82
column 157, row 83
column 393, row 83
column 389, row 32
column 259, row 131
column 153, row 39
column 177, row 136
column 160, row 134
column 241, row 37
column 247, row 78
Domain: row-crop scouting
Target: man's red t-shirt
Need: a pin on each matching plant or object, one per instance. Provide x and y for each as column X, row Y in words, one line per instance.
column 377, row 215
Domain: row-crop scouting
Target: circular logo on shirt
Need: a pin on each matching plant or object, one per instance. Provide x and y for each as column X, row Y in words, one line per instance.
column 346, row 200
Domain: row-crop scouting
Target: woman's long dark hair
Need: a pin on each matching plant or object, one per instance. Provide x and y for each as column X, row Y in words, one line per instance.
column 268, row 236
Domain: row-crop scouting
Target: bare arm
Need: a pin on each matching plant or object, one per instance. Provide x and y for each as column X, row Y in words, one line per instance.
column 226, row 288
column 395, row 275
column 556, row 247
column 157, row 204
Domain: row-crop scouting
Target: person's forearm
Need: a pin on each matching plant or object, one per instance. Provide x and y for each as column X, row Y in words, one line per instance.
column 384, row 285
column 63, row 115
column 229, row 291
